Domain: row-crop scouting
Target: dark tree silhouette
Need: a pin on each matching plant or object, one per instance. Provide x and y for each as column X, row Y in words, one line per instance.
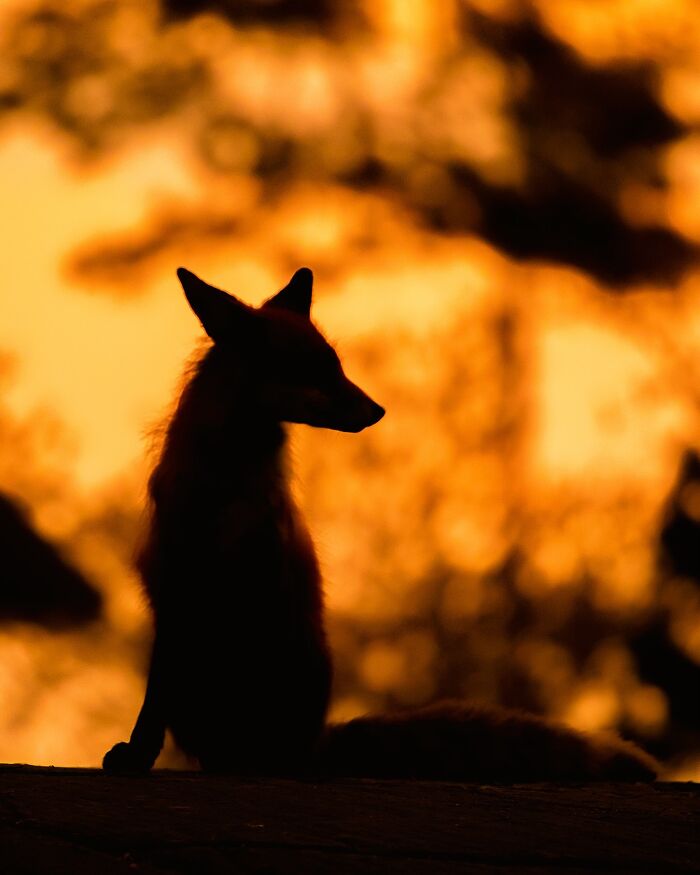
column 36, row 584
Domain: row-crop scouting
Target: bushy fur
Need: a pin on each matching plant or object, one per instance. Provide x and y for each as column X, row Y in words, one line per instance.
column 453, row 741
column 240, row 670
column 234, row 585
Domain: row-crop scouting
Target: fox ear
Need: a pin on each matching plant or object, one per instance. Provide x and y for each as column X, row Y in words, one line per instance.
column 296, row 295
column 218, row 311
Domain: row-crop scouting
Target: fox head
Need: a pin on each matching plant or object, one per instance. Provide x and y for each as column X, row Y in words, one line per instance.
column 292, row 372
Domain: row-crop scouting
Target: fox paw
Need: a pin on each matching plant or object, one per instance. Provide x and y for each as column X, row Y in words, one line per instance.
column 124, row 758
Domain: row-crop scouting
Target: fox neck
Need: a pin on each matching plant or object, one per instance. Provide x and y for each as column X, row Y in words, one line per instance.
column 219, row 446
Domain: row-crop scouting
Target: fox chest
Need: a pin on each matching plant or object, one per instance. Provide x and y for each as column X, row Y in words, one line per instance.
column 243, row 576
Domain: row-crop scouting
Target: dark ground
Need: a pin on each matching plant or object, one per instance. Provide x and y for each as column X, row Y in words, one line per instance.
column 83, row 821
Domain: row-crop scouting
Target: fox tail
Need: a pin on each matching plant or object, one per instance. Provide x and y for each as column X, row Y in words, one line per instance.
column 459, row 742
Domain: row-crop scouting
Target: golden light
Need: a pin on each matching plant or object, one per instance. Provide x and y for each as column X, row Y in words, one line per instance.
column 536, row 417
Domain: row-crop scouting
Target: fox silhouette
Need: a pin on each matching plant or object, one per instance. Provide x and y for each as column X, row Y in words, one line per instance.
column 240, row 670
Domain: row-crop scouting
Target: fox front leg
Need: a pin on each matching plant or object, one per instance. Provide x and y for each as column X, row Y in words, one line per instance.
column 141, row 751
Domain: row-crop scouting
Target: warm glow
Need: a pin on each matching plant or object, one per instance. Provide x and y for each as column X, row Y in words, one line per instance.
column 537, row 412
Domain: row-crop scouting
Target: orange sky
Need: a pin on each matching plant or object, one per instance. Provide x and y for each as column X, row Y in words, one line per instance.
column 605, row 397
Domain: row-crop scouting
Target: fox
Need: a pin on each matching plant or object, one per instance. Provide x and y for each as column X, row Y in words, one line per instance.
column 240, row 669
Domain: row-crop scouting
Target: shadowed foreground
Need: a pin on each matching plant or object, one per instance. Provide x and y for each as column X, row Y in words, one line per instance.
column 84, row 821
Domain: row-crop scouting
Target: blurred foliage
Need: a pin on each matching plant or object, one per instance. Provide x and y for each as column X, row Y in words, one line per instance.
column 500, row 203
column 37, row 584
column 502, row 130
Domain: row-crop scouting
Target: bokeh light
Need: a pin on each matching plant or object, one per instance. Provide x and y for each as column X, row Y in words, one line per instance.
column 499, row 202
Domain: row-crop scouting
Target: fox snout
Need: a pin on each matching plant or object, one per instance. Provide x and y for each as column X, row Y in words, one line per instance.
column 356, row 410
column 340, row 407
column 345, row 407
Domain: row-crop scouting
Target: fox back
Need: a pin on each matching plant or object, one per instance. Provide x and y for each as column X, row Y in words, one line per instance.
column 240, row 654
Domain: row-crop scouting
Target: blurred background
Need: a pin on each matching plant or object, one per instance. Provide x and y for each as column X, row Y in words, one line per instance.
column 501, row 203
